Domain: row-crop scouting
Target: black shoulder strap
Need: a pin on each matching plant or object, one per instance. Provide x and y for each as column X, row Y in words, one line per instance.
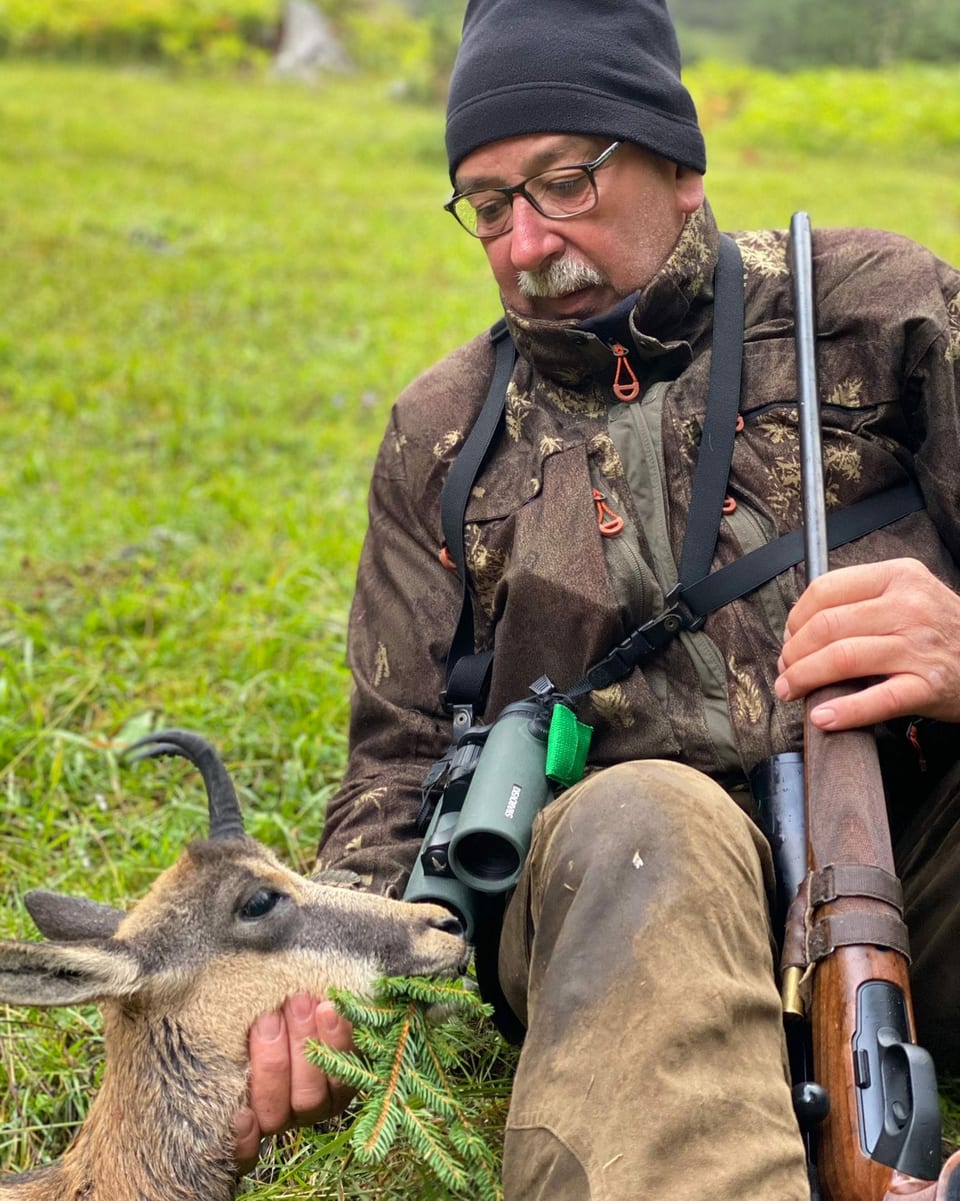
column 468, row 675
column 720, row 420
column 845, row 525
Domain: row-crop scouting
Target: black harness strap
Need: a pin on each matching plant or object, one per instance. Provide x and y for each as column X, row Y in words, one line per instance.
column 760, row 565
column 720, row 420
column 468, row 675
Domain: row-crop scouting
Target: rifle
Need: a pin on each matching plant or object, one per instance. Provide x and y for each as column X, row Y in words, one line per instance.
column 880, row 1138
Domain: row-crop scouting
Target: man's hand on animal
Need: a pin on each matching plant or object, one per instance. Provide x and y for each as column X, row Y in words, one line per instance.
column 285, row 1089
column 893, row 623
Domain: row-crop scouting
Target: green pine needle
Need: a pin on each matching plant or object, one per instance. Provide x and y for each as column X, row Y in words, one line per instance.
column 402, row 1072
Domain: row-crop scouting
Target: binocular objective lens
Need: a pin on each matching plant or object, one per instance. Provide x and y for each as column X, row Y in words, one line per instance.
column 487, row 856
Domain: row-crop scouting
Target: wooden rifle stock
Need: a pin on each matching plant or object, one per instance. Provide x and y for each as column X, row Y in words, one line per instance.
column 880, row 1139
column 847, row 825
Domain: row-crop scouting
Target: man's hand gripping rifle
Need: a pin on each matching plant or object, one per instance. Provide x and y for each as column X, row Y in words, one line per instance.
column 846, row 940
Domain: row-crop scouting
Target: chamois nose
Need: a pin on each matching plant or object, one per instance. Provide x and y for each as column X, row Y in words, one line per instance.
column 448, row 923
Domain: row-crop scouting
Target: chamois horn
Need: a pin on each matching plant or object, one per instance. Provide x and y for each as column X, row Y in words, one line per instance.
column 226, row 820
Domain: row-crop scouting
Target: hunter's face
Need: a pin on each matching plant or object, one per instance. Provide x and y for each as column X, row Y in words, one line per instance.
column 581, row 266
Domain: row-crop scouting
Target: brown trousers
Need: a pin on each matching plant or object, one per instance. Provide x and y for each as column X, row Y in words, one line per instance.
column 638, row 952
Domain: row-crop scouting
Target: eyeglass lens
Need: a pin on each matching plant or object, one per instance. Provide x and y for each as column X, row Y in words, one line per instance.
column 562, row 192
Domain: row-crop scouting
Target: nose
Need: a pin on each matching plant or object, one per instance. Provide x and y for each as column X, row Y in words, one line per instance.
column 448, row 923
column 534, row 239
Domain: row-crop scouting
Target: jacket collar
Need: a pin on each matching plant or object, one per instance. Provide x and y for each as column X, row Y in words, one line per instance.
column 668, row 315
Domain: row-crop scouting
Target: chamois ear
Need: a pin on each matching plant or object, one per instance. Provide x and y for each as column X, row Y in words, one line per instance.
column 43, row 973
column 71, row 919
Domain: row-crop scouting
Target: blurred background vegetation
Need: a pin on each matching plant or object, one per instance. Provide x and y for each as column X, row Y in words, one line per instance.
column 215, row 282
column 781, row 34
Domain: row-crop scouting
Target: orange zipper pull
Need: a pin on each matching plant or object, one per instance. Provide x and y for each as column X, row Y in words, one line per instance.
column 630, row 389
column 609, row 523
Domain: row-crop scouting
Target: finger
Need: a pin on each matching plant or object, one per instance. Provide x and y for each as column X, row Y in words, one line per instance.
column 886, row 616
column 892, row 592
column 922, row 653
column 310, row 1098
column 247, row 1135
column 336, row 1032
column 840, row 662
column 843, row 586
column 825, row 627
column 869, row 706
column 270, row 1072
column 315, row 1096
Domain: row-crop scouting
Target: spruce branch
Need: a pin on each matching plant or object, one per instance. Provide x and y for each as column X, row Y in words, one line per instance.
column 402, row 1072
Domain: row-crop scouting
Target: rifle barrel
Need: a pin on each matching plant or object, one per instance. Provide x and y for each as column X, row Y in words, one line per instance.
column 811, row 449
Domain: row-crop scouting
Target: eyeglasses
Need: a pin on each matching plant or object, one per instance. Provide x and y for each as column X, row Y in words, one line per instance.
column 558, row 193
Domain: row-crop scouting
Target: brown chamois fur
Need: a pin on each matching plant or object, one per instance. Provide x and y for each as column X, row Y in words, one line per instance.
column 225, row 934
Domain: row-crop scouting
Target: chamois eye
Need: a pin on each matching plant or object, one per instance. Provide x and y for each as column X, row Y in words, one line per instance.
column 260, row 904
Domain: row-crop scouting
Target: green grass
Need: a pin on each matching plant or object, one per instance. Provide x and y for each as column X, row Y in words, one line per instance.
column 212, row 290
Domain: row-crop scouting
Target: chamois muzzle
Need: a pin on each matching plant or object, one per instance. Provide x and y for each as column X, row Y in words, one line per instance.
column 225, row 818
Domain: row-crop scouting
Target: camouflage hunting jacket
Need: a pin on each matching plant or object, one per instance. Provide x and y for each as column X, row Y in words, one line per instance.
column 554, row 596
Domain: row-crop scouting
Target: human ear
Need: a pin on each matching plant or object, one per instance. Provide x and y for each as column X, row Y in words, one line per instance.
column 689, row 189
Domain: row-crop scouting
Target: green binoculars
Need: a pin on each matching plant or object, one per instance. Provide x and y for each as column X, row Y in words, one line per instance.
column 480, row 831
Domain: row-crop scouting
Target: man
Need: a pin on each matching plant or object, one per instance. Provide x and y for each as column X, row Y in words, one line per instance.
column 636, row 948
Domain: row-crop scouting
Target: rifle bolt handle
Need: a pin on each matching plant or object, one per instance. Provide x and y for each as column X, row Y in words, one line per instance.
column 811, row 1104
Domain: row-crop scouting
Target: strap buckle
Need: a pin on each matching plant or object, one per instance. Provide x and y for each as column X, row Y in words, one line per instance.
column 676, row 604
column 644, row 641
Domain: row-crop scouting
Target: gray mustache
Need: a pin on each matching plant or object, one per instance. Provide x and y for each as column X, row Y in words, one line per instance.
column 559, row 279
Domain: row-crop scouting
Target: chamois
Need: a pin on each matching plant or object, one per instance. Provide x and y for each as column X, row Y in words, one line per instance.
column 223, row 935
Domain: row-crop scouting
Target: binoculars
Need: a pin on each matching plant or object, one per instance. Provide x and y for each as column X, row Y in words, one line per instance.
column 494, row 784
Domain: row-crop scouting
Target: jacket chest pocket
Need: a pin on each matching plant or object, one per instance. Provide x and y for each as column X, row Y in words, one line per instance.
column 538, row 571
column 861, row 428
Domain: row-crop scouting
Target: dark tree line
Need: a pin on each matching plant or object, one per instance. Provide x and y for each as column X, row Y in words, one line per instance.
column 863, row 33
column 789, row 33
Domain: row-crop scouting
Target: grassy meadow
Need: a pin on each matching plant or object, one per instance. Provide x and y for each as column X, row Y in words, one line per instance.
column 212, row 289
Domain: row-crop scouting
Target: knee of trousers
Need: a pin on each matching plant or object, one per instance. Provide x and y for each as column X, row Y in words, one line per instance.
column 646, row 810
column 646, row 846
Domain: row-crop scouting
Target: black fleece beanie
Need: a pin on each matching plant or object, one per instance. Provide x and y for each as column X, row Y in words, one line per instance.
column 607, row 67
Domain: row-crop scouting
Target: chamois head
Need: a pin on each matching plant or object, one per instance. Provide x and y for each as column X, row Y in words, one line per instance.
column 224, row 934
